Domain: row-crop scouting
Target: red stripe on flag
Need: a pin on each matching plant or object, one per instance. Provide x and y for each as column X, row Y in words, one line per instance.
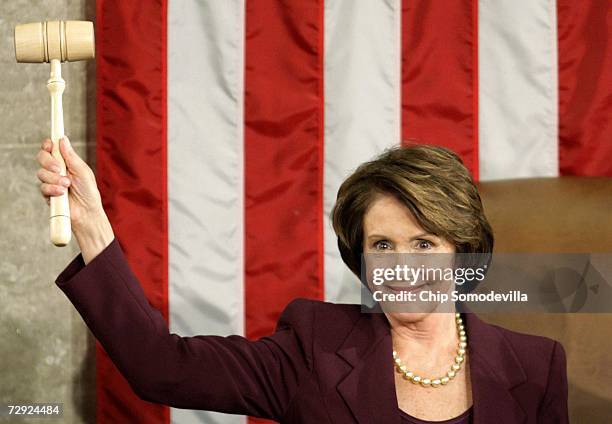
column 439, row 76
column 131, row 171
column 283, row 159
column 585, row 87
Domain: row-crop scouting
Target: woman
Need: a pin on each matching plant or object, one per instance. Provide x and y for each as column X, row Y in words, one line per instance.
column 325, row 362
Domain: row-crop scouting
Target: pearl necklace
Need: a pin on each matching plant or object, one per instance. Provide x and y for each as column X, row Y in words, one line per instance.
column 436, row 382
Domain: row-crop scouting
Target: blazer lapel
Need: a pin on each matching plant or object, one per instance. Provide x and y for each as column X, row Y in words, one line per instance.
column 495, row 372
column 369, row 387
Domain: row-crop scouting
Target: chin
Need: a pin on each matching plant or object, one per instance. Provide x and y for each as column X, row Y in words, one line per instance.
column 408, row 317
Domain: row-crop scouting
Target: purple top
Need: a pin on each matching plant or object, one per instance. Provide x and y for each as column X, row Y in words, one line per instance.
column 308, row 369
column 465, row 418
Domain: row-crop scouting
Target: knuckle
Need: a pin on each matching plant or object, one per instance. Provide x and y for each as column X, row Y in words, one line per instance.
column 42, row 175
column 45, row 176
column 44, row 160
column 51, row 189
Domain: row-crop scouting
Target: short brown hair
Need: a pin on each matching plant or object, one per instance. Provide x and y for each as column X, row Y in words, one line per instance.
column 432, row 182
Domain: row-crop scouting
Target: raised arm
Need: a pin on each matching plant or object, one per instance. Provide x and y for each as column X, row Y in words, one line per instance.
column 227, row 374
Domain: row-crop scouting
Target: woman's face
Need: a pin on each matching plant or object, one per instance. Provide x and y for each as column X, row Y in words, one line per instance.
column 390, row 227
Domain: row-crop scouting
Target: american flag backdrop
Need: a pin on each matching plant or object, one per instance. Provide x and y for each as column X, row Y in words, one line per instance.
column 225, row 127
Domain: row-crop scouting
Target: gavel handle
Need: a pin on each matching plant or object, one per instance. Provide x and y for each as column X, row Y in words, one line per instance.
column 59, row 213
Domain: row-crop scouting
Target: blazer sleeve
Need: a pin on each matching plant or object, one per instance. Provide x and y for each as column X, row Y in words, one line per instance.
column 553, row 408
column 228, row 374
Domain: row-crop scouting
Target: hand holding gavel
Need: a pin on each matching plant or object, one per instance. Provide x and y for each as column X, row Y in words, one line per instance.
column 83, row 196
column 89, row 222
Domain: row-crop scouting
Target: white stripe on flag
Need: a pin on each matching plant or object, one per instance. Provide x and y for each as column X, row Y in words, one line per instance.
column 517, row 42
column 205, row 174
column 362, row 108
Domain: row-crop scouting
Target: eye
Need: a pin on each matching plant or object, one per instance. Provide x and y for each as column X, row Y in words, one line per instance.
column 424, row 244
column 382, row 245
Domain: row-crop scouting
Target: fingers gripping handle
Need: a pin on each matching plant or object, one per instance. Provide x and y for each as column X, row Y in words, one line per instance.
column 59, row 213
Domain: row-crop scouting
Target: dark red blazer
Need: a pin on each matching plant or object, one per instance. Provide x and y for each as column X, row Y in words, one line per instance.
column 325, row 362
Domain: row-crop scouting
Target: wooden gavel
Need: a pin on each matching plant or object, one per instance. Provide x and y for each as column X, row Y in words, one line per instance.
column 56, row 42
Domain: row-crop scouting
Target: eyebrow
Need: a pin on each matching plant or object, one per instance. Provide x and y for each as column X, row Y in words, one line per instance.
column 412, row 238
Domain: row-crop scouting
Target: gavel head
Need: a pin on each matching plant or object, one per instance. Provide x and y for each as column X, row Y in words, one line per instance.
column 63, row 40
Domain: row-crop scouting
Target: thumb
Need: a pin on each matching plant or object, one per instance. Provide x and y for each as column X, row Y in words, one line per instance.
column 73, row 161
